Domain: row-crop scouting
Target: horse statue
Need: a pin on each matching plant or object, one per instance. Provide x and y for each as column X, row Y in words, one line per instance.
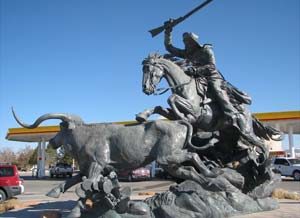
column 198, row 106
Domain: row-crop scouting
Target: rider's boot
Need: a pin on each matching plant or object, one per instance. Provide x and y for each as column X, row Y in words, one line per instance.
column 246, row 133
column 235, row 118
column 231, row 117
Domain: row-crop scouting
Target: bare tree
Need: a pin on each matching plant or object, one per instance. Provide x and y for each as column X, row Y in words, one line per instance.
column 24, row 156
column 7, row 155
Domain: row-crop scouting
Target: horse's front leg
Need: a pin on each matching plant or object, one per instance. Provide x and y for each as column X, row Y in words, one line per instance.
column 182, row 108
column 165, row 112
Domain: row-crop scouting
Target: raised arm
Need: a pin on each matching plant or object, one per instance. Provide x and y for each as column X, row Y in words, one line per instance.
column 169, row 47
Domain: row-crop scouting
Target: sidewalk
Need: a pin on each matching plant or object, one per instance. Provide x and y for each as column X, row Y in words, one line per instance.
column 288, row 209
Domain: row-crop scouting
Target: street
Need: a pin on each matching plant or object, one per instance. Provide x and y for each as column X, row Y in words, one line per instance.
column 35, row 189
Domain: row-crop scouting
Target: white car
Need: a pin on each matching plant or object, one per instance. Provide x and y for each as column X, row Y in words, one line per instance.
column 287, row 166
column 61, row 169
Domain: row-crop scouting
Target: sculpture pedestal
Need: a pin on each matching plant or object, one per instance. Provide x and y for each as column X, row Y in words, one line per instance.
column 190, row 199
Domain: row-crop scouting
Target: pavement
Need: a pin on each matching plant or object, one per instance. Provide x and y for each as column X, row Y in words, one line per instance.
column 287, row 209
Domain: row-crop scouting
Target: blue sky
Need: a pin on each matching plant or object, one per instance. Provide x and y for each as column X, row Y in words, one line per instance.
column 84, row 57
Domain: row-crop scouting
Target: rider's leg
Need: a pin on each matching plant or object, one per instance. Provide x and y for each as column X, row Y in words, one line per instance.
column 245, row 124
column 241, row 121
column 222, row 97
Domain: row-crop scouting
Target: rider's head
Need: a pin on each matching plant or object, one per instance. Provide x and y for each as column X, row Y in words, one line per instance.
column 190, row 40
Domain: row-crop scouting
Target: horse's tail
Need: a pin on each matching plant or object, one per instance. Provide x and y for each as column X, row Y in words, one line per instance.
column 266, row 132
column 188, row 140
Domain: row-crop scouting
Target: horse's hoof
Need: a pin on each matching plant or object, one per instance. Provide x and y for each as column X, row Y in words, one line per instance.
column 140, row 118
column 80, row 192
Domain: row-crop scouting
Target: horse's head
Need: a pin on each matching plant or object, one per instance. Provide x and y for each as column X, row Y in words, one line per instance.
column 152, row 73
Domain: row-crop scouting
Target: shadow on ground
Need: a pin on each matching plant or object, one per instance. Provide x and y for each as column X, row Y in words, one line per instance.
column 63, row 207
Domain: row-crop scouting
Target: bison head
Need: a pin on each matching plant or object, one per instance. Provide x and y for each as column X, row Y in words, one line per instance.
column 68, row 123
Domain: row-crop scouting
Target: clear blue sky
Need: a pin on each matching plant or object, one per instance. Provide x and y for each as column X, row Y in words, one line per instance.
column 84, row 57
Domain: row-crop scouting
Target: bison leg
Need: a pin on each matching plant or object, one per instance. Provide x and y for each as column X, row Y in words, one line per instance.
column 85, row 189
column 95, row 170
column 62, row 187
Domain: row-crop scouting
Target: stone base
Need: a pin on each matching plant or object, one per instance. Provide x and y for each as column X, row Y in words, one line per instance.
column 189, row 199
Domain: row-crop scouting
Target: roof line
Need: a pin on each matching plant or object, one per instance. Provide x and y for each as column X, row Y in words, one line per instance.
column 268, row 116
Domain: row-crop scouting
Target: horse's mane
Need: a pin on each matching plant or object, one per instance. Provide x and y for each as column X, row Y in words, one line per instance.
column 154, row 57
column 151, row 57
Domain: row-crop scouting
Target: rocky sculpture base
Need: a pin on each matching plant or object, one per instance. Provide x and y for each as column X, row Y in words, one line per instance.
column 190, row 199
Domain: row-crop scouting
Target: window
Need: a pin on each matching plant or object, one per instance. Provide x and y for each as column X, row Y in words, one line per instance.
column 281, row 162
column 294, row 161
column 60, row 165
column 67, row 166
column 6, row 171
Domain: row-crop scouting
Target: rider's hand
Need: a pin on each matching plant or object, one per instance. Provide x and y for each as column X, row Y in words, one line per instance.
column 191, row 71
column 169, row 25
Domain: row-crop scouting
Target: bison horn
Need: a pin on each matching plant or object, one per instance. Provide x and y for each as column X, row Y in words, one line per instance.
column 60, row 116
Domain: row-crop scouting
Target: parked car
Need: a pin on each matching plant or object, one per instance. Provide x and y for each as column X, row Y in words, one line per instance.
column 24, row 169
column 140, row 173
column 10, row 182
column 61, row 169
column 287, row 166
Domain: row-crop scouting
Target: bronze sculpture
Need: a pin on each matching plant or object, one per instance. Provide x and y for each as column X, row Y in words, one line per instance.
column 211, row 142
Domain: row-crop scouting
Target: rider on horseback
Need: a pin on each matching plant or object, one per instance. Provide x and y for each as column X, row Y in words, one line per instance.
column 200, row 62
